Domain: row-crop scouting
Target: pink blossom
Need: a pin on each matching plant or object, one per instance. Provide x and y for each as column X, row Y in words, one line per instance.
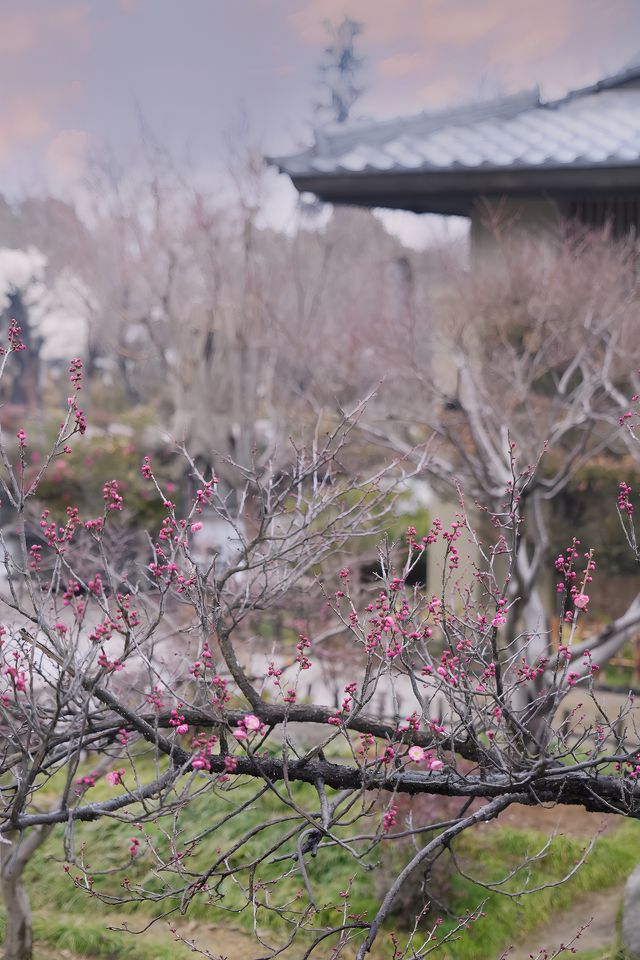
column 580, row 601
column 416, row 754
column 389, row 819
column 436, row 765
column 196, row 526
column 239, row 733
column 252, row 722
column 182, row 728
column 114, row 777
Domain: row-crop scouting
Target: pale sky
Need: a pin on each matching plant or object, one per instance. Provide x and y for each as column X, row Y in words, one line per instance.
column 76, row 75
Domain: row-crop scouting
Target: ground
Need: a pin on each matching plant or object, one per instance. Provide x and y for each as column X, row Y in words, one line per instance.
column 223, row 943
column 599, row 910
column 570, row 821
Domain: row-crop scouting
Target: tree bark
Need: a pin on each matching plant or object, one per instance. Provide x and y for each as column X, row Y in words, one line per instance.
column 14, row 856
column 18, row 940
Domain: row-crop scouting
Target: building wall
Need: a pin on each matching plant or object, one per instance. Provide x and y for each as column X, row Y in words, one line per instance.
column 491, row 218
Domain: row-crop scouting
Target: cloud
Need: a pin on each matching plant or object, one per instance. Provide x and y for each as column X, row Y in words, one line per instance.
column 41, row 46
column 36, row 26
column 401, row 64
column 442, row 91
column 130, row 6
column 460, row 24
column 72, row 22
column 66, row 155
column 383, row 19
column 467, row 48
column 23, row 122
column 17, row 31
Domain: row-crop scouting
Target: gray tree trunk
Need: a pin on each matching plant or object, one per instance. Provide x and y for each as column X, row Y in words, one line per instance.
column 18, row 940
column 631, row 916
column 14, row 856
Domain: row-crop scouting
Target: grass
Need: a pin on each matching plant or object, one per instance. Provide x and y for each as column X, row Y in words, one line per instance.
column 66, row 917
column 82, row 936
column 79, row 934
column 105, row 846
column 506, row 919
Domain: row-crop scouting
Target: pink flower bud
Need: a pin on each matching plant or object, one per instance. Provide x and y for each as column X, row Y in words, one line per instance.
column 196, row 526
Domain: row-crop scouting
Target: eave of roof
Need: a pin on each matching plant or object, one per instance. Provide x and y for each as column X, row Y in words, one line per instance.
column 456, row 192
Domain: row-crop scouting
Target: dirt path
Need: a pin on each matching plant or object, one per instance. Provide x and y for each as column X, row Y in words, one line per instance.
column 225, row 942
column 234, row 944
column 561, row 927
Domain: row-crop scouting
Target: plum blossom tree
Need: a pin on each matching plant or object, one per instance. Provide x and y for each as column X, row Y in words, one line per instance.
column 170, row 687
column 533, row 352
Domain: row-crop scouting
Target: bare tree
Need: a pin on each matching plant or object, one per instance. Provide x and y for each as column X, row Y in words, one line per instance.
column 532, row 353
column 233, row 333
column 169, row 678
column 340, row 70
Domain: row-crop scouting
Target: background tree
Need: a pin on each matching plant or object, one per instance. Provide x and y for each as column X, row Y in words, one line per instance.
column 531, row 353
column 340, row 71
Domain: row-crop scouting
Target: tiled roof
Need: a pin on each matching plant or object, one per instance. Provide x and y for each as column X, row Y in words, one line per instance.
column 597, row 126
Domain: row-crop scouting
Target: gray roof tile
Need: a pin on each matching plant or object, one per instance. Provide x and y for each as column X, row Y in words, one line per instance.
column 598, row 125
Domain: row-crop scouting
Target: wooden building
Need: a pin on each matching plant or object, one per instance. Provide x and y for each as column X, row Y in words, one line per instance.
column 518, row 157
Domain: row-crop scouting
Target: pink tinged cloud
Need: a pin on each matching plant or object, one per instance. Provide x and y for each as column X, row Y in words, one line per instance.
column 23, row 122
column 67, row 154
